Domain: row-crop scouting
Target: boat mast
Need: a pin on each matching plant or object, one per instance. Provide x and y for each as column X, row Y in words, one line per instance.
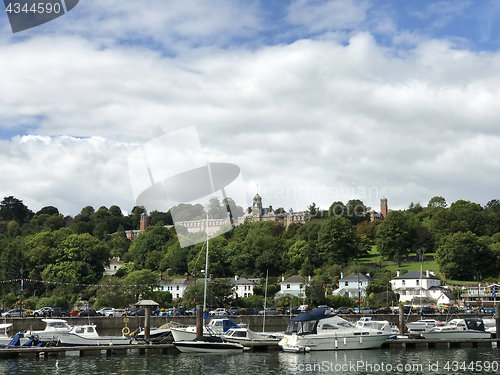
column 265, row 303
column 206, row 272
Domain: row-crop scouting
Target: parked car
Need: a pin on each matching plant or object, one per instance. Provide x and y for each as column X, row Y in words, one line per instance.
column 219, row 312
column 58, row 311
column 44, row 311
column 14, row 312
column 116, row 312
column 234, row 310
column 344, row 310
column 270, row 311
column 294, row 310
column 87, row 312
column 383, row 310
column 105, row 311
column 138, row 311
column 426, row 310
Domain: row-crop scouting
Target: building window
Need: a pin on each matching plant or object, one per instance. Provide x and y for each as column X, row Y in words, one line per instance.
column 403, row 282
column 177, row 287
column 288, row 286
column 346, row 283
column 418, row 282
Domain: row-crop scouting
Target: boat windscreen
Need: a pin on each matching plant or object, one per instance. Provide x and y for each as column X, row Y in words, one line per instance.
column 475, row 324
column 307, row 328
column 292, row 328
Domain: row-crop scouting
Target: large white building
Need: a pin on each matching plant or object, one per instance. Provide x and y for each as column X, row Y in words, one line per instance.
column 413, row 285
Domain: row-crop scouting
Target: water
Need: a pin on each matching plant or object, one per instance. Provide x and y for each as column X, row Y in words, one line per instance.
column 382, row 361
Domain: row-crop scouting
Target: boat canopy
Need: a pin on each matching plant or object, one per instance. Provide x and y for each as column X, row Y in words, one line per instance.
column 316, row 314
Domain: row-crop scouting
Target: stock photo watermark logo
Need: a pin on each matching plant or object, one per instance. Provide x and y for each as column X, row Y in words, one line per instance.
column 171, row 172
column 26, row 14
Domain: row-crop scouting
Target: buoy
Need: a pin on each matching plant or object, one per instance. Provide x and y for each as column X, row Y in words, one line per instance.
column 307, row 349
column 126, row 331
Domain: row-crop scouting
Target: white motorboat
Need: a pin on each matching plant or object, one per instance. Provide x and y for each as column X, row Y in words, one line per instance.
column 423, row 325
column 247, row 337
column 319, row 329
column 211, row 344
column 53, row 328
column 380, row 325
column 159, row 335
column 459, row 329
column 75, row 335
column 215, row 327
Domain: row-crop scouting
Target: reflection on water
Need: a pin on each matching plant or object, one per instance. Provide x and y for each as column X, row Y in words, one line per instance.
column 378, row 361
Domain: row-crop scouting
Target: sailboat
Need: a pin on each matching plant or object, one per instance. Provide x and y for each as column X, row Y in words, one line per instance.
column 215, row 342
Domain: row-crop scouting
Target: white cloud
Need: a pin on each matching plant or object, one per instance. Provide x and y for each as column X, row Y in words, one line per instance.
column 319, row 15
column 314, row 120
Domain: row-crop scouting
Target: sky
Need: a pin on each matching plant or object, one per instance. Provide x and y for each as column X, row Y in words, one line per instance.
column 314, row 101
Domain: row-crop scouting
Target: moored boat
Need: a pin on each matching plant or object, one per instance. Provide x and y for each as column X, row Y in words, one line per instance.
column 247, row 337
column 459, row 329
column 211, row 344
column 423, row 325
column 319, row 329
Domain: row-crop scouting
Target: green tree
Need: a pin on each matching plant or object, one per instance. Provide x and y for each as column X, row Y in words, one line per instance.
column 437, row 202
column 337, row 241
column 393, row 236
column 14, row 209
column 462, row 255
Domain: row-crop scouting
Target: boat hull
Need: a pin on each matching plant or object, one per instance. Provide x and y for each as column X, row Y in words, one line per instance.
column 456, row 335
column 77, row 340
column 208, row 347
column 296, row 343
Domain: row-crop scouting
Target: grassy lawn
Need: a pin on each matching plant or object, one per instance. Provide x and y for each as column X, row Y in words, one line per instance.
column 372, row 257
column 409, row 265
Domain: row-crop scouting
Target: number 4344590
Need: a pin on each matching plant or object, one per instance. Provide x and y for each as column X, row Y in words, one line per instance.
column 35, row 8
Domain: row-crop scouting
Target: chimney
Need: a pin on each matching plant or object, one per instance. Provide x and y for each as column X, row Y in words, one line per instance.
column 341, row 275
column 398, row 273
column 236, row 277
column 427, row 273
column 282, row 278
column 185, row 275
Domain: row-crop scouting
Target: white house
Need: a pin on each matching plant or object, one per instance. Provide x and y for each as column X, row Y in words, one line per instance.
column 293, row 286
column 176, row 287
column 349, row 285
column 413, row 285
column 244, row 287
column 114, row 265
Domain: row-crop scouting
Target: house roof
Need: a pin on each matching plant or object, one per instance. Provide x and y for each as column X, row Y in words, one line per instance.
column 450, row 295
column 294, row 279
column 241, row 281
column 356, row 277
column 415, row 275
column 172, row 281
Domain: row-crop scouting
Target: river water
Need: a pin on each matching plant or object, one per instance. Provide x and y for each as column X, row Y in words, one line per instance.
column 481, row 360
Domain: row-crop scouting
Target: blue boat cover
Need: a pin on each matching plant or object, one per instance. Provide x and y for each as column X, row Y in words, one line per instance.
column 316, row 314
